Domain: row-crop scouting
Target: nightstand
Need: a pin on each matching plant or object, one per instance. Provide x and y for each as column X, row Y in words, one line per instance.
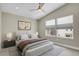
column 7, row 43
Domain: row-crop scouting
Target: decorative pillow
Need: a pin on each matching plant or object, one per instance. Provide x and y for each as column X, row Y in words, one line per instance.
column 34, row 36
column 18, row 37
column 24, row 37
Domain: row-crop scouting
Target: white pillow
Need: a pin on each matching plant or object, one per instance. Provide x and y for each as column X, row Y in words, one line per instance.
column 34, row 36
column 24, row 37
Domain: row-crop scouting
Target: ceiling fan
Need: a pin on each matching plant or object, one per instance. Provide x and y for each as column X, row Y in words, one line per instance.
column 39, row 7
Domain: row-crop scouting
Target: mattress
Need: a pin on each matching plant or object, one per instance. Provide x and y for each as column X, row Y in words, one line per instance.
column 38, row 48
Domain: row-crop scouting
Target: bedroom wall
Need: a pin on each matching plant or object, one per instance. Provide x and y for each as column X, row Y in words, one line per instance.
column 0, row 30
column 10, row 24
column 68, row 9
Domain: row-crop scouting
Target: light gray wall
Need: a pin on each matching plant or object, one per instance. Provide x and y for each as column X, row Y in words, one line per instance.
column 69, row 9
column 10, row 24
column 0, row 30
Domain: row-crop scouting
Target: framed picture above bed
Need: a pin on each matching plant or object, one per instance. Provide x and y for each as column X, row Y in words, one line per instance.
column 24, row 25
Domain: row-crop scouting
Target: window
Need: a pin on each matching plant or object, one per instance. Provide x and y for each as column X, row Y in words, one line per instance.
column 50, row 28
column 60, row 27
column 65, row 27
column 65, row 20
column 50, row 22
column 50, row 32
column 65, row 33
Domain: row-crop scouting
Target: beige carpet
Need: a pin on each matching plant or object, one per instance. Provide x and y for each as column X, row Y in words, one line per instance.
column 56, row 51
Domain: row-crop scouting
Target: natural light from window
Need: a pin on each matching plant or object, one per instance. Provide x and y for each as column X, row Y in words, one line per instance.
column 65, row 20
column 50, row 22
column 60, row 27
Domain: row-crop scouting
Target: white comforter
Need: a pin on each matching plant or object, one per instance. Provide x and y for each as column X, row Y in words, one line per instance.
column 37, row 48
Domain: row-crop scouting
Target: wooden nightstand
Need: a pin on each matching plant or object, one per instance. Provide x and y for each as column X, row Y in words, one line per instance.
column 7, row 43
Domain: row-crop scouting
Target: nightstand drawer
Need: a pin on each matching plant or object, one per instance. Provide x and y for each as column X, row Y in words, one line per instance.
column 7, row 43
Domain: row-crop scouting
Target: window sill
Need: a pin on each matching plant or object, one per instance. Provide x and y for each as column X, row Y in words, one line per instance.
column 64, row 38
column 60, row 37
column 51, row 36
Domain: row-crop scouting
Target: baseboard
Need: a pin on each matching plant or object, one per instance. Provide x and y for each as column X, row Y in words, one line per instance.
column 68, row 46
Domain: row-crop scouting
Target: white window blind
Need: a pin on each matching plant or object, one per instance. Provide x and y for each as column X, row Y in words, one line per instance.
column 65, row 20
column 50, row 22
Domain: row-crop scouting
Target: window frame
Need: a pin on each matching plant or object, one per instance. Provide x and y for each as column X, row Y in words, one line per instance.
column 58, row 25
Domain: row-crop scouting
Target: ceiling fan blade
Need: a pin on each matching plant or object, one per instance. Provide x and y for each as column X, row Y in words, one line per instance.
column 42, row 10
column 41, row 4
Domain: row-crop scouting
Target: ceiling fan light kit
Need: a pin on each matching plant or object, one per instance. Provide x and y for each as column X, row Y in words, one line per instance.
column 39, row 7
column 39, row 10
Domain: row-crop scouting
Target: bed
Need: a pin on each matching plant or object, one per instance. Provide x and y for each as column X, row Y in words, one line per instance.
column 34, row 47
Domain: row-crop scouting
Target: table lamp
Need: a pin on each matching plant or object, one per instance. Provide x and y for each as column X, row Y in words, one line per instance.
column 37, row 33
column 9, row 36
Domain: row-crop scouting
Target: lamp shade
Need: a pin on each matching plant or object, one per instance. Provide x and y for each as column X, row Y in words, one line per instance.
column 9, row 35
column 36, row 33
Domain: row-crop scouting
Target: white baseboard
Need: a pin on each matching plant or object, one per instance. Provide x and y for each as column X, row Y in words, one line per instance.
column 68, row 46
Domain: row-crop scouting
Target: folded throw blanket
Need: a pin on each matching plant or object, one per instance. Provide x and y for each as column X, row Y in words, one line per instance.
column 22, row 44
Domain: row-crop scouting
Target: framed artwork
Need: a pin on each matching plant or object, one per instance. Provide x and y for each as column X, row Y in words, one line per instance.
column 28, row 25
column 24, row 25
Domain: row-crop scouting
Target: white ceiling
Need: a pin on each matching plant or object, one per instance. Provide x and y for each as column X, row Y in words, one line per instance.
column 24, row 9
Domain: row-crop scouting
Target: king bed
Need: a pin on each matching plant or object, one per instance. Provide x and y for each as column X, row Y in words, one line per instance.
column 33, row 47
